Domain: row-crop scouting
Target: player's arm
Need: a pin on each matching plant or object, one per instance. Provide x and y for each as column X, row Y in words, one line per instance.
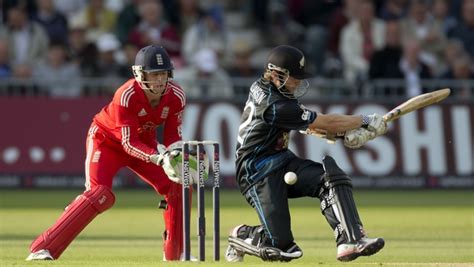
column 128, row 125
column 355, row 129
column 335, row 123
column 288, row 115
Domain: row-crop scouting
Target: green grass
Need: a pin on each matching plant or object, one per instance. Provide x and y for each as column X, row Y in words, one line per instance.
column 421, row 228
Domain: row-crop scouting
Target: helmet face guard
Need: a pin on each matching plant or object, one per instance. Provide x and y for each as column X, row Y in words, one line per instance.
column 151, row 59
column 286, row 61
column 282, row 76
column 151, row 85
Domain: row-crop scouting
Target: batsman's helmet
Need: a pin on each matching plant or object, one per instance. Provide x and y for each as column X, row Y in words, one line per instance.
column 288, row 61
column 151, row 58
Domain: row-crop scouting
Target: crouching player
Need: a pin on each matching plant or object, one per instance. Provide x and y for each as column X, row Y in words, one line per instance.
column 263, row 157
column 123, row 134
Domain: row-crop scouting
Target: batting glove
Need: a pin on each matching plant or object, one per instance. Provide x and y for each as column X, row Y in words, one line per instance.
column 374, row 123
column 358, row 137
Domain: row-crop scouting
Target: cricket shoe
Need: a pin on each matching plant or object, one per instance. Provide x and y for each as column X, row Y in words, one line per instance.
column 232, row 254
column 40, row 255
column 364, row 247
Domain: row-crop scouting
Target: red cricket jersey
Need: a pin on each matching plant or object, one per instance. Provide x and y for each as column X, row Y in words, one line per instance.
column 131, row 121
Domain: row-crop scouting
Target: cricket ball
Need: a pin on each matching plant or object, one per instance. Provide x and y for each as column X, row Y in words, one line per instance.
column 290, row 178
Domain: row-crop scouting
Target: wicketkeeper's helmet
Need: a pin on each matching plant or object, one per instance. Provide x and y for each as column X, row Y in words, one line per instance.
column 151, row 58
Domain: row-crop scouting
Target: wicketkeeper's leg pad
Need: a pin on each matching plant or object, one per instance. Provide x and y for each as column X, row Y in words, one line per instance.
column 173, row 217
column 338, row 205
column 247, row 239
column 73, row 220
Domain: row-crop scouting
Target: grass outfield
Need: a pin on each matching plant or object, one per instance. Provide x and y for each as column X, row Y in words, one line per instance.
column 421, row 228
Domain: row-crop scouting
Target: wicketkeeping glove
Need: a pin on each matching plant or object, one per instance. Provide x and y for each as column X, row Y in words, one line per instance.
column 170, row 159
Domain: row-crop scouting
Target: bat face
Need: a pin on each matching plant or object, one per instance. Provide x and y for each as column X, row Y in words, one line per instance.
column 417, row 102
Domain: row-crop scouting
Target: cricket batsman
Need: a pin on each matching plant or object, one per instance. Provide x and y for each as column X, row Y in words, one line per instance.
column 123, row 134
column 272, row 111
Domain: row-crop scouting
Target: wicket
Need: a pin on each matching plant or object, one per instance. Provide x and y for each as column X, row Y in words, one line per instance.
column 200, row 198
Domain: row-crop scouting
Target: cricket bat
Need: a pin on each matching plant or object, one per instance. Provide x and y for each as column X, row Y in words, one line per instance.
column 415, row 103
column 412, row 104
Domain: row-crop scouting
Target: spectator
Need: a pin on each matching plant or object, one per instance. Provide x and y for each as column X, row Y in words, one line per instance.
column 22, row 85
column 332, row 66
column 108, row 64
column 204, row 78
column 153, row 29
column 5, row 68
column 461, row 71
column 70, row 8
column 129, row 51
column 359, row 39
column 242, row 67
column 127, row 19
column 27, row 40
column 465, row 29
column 81, row 51
column 56, row 76
column 315, row 17
column 108, row 47
column 393, row 9
column 98, row 18
column 341, row 17
column 413, row 69
column 421, row 26
column 453, row 50
column 440, row 11
column 52, row 21
column 183, row 13
column 281, row 28
column 208, row 33
column 385, row 62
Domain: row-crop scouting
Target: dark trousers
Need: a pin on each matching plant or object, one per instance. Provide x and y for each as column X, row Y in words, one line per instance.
column 270, row 196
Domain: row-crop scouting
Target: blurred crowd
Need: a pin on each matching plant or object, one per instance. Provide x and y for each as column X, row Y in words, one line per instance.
column 59, row 44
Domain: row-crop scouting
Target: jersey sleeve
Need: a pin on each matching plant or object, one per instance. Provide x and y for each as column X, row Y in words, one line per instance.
column 128, row 125
column 289, row 115
column 172, row 131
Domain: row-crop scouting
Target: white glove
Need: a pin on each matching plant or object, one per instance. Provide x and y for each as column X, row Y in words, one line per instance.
column 374, row 123
column 358, row 137
column 171, row 162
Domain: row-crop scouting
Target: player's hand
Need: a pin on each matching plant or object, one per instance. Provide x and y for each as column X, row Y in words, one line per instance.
column 374, row 123
column 358, row 137
column 168, row 160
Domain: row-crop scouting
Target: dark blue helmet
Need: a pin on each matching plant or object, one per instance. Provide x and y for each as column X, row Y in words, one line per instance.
column 151, row 58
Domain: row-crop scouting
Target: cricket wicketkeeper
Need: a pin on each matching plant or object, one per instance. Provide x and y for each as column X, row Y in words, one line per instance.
column 272, row 111
column 123, row 134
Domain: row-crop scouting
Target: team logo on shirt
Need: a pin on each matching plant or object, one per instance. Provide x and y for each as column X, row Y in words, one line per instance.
column 149, row 126
column 164, row 113
column 306, row 114
column 142, row 113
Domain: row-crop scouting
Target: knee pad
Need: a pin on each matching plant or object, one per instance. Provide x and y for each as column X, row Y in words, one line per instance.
column 74, row 219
